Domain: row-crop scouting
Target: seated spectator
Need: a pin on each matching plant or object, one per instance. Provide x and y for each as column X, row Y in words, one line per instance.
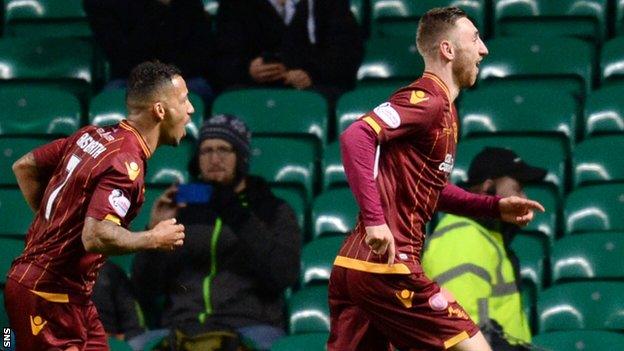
column 472, row 258
column 241, row 250
column 306, row 44
column 172, row 31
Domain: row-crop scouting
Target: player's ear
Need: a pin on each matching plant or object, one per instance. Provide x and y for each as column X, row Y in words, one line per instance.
column 159, row 110
column 447, row 50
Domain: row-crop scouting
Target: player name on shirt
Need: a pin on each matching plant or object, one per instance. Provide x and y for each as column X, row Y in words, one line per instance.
column 90, row 146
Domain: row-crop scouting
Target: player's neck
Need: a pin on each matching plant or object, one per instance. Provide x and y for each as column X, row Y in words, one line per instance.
column 445, row 73
column 148, row 131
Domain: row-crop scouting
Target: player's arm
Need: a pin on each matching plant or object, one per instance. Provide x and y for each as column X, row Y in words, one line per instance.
column 109, row 238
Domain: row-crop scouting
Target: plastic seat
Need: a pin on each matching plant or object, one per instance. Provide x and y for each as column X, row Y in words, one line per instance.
column 38, row 110
column 333, row 170
column 302, row 342
column 118, row 345
column 11, row 248
column 308, row 310
column 109, row 107
column 581, row 306
column 15, row 214
column 211, row 6
column 597, row 160
column 530, row 253
column 296, row 201
column 286, row 161
column 170, row 164
column 585, row 19
column 11, row 149
column 581, row 340
column 334, row 212
column 537, row 59
column 400, row 17
column 317, row 259
column 612, row 60
column 546, row 223
column 394, row 58
column 59, row 18
column 604, row 111
column 547, row 152
column 594, row 208
column 588, row 256
column 354, row 104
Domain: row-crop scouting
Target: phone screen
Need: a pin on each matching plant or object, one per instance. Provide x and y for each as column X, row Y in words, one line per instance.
column 194, row 193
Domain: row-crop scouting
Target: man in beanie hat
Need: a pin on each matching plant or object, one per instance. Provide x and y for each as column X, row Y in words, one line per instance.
column 241, row 252
column 473, row 258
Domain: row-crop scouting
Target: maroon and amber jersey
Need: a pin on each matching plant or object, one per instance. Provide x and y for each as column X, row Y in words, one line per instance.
column 416, row 134
column 97, row 172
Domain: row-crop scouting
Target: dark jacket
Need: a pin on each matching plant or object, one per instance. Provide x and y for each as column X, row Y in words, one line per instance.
column 248, row 28
column 226, row 277
column 131, row 32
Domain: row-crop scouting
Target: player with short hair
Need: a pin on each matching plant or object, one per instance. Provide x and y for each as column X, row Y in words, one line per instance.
column 397, row 159
column 85, row 190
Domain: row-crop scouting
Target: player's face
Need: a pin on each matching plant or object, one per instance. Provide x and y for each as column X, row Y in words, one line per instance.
column 470, row 50
column 507, row 186
column 178, row 109
column 217, row 161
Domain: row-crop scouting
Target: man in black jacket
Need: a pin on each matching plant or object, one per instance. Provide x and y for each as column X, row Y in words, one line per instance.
column 241, row 251
column 302, row 44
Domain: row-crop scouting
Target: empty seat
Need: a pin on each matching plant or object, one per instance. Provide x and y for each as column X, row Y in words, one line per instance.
column 333, row 169
column 530, row 253
column 585, row 19
column 38, row 110
column 301, row 342
column 60, row 18
column 594, row 208
column 580, row 340
column 11, row 149
column 15, row 214
column 334, row 212
column 604, row 111
column 588, row 256
column 612, row 60
column 598, row 160
column 354, row 104
column 308, row 310
column 317, row 259
column 581, row 306
column 545, row 223
column 11, row 248
column 169, row 164
column 394, row 58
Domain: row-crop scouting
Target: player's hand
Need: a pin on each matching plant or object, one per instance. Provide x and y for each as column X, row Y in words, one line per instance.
column 517, row 210
column 165, row 206
column 379, row 238
column 167, row 235
column 266, row 72
column 298, row 79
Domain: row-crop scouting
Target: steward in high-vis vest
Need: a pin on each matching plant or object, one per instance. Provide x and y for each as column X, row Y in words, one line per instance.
column 472, row 259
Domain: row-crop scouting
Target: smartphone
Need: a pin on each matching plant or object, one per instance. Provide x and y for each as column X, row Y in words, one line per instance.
column 194, row 193
column 271, row 57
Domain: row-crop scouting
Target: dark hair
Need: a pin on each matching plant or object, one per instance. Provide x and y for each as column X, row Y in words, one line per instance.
column 433, row 25
column 147, row 77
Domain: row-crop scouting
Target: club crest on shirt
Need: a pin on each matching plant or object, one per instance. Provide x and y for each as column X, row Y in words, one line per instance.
column 133, row 170
column 417, row 97
column 388, row 114
column 119, row 202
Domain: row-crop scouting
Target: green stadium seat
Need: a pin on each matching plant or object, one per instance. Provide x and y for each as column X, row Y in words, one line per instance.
column 118, row 345
column 545, row 151
column 619, row 18
column 15, row 214
column 211, row 6
column 302, row 342
column 525, row 109
column 538, row 59
column 109, row 107
column 308, row 310
column 170, row 164
column 286, row 161
column 392, row 58
column 11, row 248
column 58, row 18
column 584, row 19
column 604, row 111
column 579, row 340
column 38, row 110
column 317, row 259
column 588, row 256
column 354, row 104
column 545, row 223
column 593, row 160
column 594, row 208
column 333, row 170
column 581, row 306
column 400, row 17
column 11, row 149
column 612, row 60
column 296, row 201
column 530, row 252
column 334, row 212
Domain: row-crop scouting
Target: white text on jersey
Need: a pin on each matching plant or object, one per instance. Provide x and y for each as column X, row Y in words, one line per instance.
column 90, row 146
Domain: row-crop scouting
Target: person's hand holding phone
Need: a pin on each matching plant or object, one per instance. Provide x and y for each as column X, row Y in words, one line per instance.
column 165, row 207
column 263, row 72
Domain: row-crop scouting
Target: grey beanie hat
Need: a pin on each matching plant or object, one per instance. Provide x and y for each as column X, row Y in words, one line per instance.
column 233, row 130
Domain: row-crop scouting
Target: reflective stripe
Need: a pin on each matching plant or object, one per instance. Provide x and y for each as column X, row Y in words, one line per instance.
column 463, row 269
column 483, row 310
column 504, row 289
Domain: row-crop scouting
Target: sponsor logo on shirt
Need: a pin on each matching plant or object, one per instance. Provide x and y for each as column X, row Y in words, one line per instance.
column 388, row 114
column 36, row 324
column 447, row 165
column 133, row 170
column 417, row 97
column 120, row 203
column 90, row 146
column 405, row 297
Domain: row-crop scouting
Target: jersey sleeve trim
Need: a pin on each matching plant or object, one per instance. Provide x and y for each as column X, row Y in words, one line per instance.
column 456, row 339
column 52, row 297
column 113, row 218
column 373, row 124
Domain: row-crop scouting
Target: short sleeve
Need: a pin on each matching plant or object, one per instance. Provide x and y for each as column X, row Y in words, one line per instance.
column 115, row 196
column 49, row 155
column 409, row 112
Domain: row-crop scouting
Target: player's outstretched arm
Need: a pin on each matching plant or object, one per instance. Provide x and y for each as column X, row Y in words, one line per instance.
column 29, row 180
column 108, row 238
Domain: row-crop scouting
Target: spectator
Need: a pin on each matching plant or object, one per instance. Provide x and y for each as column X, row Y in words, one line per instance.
column 306, row 44
column 172, row 31
column 241, row 252
column 473, row 258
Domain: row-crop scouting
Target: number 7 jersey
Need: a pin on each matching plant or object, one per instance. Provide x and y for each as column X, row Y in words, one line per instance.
column 97, row 172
